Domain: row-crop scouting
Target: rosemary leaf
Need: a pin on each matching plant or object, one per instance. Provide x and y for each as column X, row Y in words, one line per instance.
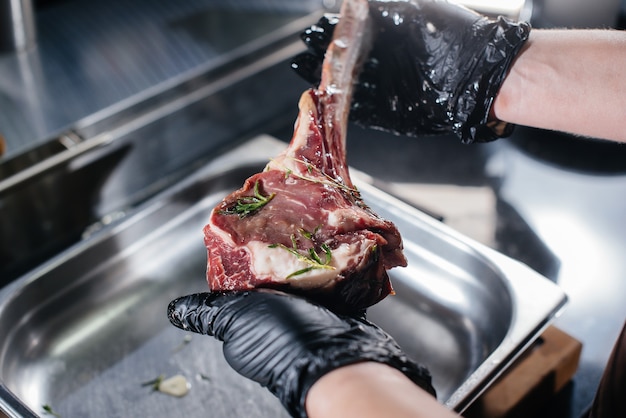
column 48, row 411
column 294, row 243
column 299, row 272
column 313, row 256
column 310, row 256
column 155, row 383
column 248, row 205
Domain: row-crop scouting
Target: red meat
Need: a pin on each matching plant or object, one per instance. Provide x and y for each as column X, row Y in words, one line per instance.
column 301, row 225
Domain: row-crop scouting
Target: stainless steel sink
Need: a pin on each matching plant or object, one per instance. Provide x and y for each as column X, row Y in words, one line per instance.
column 84, row 331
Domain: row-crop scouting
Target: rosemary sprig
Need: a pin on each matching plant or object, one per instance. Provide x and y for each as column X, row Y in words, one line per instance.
column 329, row 180
column 309, row 235
column 248, row 205
column 311, row 257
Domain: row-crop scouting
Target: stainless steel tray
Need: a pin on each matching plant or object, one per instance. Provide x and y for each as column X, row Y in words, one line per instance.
column 83, row 332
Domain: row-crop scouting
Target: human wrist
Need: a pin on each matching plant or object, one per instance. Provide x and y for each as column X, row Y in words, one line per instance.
column 509, row 98
column 370, row 389
column 568, row 81
column 334, row 394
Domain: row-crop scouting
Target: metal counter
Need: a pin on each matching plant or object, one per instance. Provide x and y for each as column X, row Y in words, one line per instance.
column 561, row 216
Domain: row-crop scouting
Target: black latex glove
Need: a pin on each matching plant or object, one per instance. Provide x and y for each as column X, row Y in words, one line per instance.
column 434, row 67
column 286, row 343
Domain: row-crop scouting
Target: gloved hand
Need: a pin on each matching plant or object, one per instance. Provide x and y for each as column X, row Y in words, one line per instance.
column 434, row 67
column 286, row 343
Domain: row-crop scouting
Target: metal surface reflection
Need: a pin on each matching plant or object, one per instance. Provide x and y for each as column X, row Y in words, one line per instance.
column 17, row 25
column 573, row 202
column 462, row 309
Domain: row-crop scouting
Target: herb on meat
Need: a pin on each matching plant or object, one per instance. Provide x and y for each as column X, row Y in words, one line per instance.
column 309, row 235
column 311, row 257
column 328, row 180
column 247, row 205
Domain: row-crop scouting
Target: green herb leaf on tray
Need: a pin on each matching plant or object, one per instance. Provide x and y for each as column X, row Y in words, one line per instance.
column 49, row 411
column 154, row 383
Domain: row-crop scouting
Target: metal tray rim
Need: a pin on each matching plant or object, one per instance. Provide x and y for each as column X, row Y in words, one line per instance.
column 531, row 315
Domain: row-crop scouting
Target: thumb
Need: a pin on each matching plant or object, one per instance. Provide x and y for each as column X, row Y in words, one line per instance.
column 194, row 312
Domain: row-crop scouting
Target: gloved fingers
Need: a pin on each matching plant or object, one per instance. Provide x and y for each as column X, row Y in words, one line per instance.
column 197, row 312
column 434, row 68
column 286, row 342
column 318, row 36
column 213, row 313
column 308, row 65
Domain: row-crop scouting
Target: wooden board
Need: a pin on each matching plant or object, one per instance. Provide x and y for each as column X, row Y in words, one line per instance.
column 541, row 372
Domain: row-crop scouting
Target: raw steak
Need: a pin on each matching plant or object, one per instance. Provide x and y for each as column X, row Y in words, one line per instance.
column 301, row 225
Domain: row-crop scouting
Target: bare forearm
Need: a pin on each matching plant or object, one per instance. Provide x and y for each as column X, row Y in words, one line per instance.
column 371, row 390
column 568, row 80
